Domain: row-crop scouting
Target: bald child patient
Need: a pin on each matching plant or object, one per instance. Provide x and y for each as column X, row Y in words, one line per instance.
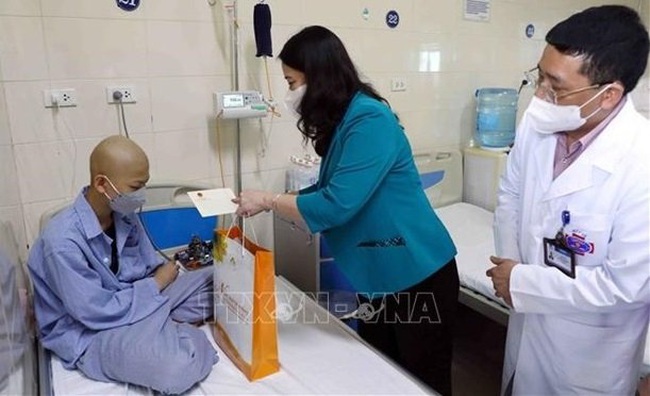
column 105, row 301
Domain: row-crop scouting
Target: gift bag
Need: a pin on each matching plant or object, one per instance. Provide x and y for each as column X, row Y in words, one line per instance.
column 244, row 284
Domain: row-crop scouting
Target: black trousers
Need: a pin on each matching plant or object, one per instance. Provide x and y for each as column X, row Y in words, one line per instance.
column 415, row 327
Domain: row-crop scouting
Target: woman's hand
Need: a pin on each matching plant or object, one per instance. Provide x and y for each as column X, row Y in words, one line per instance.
column 252, row 202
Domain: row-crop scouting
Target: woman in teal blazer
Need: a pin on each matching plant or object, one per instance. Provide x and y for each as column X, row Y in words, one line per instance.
column 370, row 207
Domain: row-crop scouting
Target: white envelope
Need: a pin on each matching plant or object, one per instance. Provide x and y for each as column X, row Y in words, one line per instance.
column 213, row 202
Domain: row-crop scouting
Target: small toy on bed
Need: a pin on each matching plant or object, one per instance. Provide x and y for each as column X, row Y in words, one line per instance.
column 197, row 254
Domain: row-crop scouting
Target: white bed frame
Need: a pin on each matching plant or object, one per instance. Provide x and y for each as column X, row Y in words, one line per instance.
column 449, row 191
column 483, row 305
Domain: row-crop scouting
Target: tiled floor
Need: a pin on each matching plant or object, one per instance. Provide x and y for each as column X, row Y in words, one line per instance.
column 478, row 355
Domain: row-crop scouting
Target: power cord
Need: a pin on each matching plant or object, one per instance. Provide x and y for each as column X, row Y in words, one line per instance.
column 56, row 105
column 117, row 95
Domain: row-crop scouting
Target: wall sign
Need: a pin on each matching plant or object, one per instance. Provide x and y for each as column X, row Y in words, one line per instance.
column 530, row 30
column 128, row 5
column 476, row 10
column 392, row 19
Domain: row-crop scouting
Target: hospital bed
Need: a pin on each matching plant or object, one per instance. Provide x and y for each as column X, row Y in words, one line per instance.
column 442, row 174
column 471, row 224
column 325, row 357
column 318, row 353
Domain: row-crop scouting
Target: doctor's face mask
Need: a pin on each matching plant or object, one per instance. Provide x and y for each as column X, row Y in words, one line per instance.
column 126, row 203
column 548, row 118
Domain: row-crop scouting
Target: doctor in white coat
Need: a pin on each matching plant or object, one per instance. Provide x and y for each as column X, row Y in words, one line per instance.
column 573, row 217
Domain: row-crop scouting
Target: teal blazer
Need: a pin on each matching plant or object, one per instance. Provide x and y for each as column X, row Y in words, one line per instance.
column 370, row 206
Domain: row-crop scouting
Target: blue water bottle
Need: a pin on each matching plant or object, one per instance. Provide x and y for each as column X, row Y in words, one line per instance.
column 496, row 113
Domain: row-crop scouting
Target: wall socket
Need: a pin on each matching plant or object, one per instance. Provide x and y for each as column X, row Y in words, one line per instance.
column 127, row 91
column 397, row 84
column 66, row 97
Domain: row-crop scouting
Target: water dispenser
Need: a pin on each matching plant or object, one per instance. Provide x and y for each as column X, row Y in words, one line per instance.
column 496, row 113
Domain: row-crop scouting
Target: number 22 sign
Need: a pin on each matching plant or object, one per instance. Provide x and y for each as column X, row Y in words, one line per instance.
column 392, row 19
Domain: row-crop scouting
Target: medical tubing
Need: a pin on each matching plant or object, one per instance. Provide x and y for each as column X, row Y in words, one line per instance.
column 153, row 243
column 268, row 80
column 218, row 139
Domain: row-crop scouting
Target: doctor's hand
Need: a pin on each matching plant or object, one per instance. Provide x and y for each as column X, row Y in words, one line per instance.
column 252, row 202
column 501, row 277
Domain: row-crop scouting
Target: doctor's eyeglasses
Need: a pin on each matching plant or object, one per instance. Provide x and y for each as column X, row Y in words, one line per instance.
column 533, row 78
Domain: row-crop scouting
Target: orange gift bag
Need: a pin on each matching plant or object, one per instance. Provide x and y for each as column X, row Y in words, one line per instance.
column 244, row 284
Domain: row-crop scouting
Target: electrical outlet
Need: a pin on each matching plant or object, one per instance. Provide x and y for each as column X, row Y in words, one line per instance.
column 127, row 92
column 397, row 84
column 60, row 97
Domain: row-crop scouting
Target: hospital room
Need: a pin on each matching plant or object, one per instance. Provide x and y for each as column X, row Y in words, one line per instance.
column 263, row 197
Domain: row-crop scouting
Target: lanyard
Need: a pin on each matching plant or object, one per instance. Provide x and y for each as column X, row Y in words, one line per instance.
column 566, row 219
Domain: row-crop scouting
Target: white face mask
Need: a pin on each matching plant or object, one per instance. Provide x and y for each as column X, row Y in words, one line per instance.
column 293, row 98
column 549, row 118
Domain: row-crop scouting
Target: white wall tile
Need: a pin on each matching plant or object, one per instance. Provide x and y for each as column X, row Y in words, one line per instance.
column 348, row 13
column 45, row 170
column 90, row 9
column 147, row 142
column 221, row 145
column 80, row 160
column 184, row 48
column 5, row 132
column 437, row 16
column 101, row 48
column 187, row 10
column 9, row 194
column 182, row 155
column 29, row 119
column 282, row 140
column 387, row 51
column 439, row 127
column 20, row 7
column 184, row 103
column 22, row 48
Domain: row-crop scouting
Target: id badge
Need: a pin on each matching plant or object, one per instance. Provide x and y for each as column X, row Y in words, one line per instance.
column 559, row 256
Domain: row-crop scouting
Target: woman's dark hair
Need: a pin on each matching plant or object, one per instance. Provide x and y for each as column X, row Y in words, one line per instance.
column 332, row 81
column 612, row 40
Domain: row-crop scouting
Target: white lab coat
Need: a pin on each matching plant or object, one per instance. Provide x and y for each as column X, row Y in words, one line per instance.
column 584, row 335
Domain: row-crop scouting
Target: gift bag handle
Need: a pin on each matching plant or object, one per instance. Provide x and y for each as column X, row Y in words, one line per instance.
column 243, row 231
